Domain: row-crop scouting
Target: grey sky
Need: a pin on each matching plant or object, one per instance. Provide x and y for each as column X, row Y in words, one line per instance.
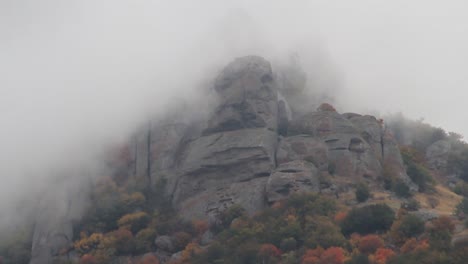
column 79, row 75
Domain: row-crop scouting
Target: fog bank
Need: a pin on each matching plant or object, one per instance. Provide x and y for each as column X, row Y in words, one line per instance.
column 79, row 76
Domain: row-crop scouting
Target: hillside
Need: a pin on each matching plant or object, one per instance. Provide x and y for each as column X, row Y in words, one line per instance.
column 261, row 180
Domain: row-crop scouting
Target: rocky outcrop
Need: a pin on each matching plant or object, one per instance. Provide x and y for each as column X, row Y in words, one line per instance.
column 229, row 164
column 209, row 203
column 303, row 147
column 320, row 124
column 297, row 176
column 370, row 130
column 239, row 155
column 251, row 151
column 437, row 154
column 349, row 153
column 248, row 96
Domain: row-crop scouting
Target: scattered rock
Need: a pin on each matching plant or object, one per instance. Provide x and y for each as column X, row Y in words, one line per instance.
column 425, row 215
column 164, row 243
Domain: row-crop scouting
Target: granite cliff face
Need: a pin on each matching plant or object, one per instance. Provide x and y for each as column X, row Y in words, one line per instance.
column 252, row 151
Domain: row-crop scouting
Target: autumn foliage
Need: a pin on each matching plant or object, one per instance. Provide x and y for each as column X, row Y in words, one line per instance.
column 369, row 244
column 340, row 216
column 333, row 255
column 268, row 252
column 149, row 259
column 88, row 259
column 412, row 245
column 326, row 107
column 382, row 255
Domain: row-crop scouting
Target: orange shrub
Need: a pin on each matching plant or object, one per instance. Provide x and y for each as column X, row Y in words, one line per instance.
column 87, row 244
column 149, row 259
column 382, row 255
column 369, row 244
column 354, row 240
column 88, row 259
column 134, row 222
column 340, row 216
column 333, row 255
column 267, row 250
column 121, row 240
column 201, row 226
column 414, row 245
column 312, row 256
column 190, row 250
column 326, row 107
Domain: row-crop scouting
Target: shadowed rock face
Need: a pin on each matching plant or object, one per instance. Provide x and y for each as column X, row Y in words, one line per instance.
column 249, row 152
column 231, row 161
column 248, row 96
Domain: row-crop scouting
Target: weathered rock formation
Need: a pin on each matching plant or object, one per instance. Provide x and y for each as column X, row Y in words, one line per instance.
column 251, row 151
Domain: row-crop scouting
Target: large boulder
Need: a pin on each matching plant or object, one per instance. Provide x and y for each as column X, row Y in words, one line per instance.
column 351, row 156
column 370, row 129
column 248, row 96
column 298, row 176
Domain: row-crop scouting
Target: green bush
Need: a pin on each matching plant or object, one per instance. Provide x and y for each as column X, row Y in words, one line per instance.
column 458, row 161
column 368, row 219
column 358, row 259
column 415, row 168
column 401, row 189
column 461, row 188
column 321, row 232
column 422, row 257
column 230, row 214
column 362, row 192
column 411, row 226
column 144, row 240
column 462, row 207
column 288, row 244
column 15, row 248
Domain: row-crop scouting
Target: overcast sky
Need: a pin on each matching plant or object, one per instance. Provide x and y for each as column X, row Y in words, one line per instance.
column 77, row 75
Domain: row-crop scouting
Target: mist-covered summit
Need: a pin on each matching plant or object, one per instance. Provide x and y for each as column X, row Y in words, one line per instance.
column 257, row 147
